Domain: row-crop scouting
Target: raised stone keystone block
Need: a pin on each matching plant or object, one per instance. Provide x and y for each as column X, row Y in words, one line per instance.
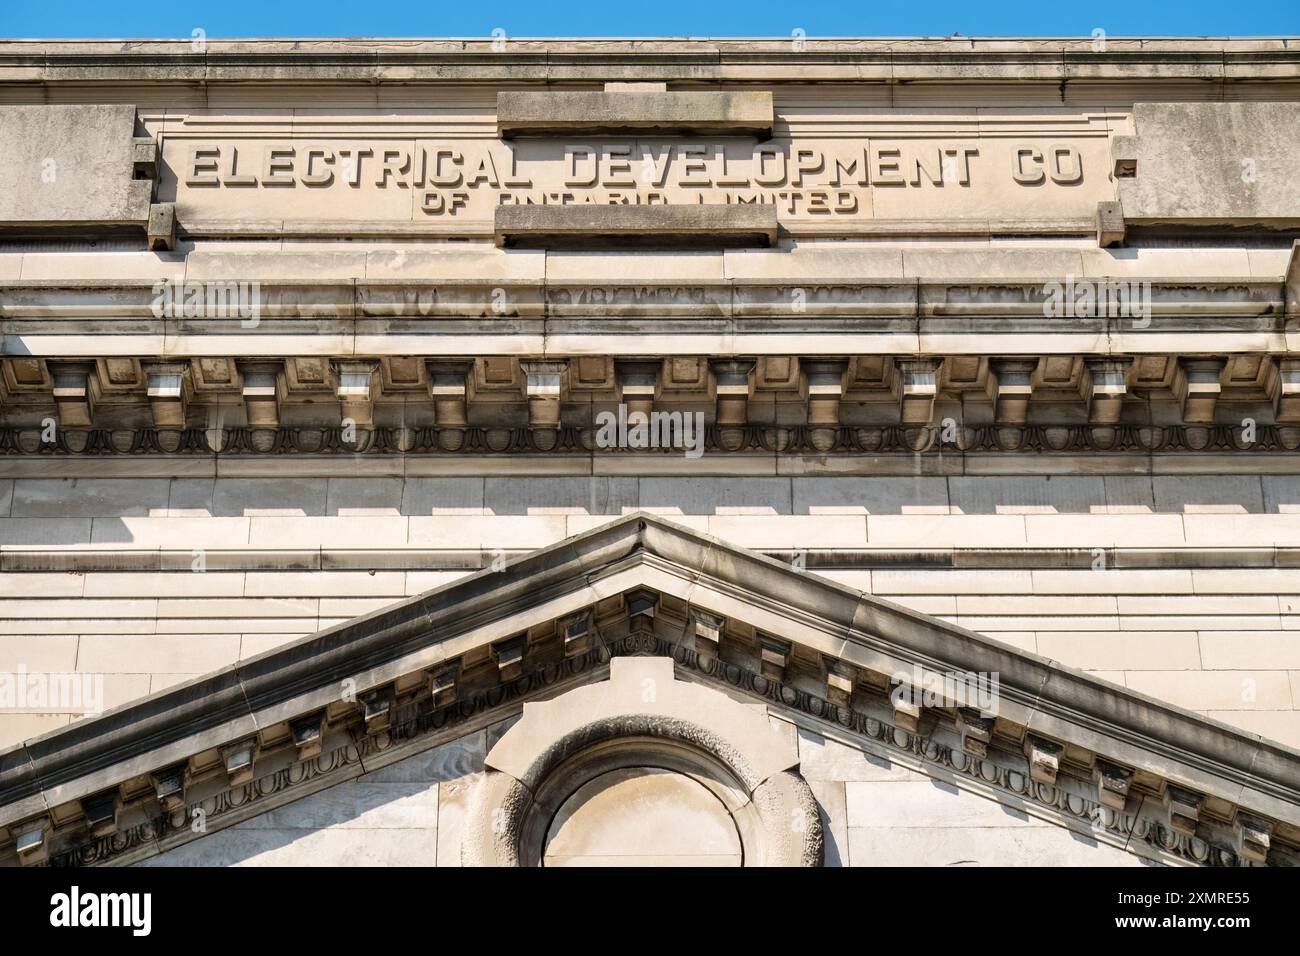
column 735, row 114
column 664, row 225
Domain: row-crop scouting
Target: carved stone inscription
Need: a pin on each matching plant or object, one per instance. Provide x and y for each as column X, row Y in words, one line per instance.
column 460, row 181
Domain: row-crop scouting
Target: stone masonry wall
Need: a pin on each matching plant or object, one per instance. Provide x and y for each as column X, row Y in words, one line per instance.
column 286, row 557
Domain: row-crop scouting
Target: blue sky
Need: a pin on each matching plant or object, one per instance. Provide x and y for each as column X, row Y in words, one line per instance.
column 224, row 18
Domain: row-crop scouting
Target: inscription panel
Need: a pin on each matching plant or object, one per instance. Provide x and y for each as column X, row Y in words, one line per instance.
column 879, row 168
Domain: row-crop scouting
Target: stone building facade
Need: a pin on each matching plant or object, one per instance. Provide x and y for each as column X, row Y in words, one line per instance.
column 593, row 452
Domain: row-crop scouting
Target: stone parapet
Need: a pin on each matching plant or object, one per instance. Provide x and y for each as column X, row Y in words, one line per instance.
column 1022, row 61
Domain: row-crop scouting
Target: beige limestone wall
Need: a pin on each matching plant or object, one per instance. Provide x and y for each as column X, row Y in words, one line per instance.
column 288, row 556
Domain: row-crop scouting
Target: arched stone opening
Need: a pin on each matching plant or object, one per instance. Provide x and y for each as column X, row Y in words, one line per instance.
column 643, row 730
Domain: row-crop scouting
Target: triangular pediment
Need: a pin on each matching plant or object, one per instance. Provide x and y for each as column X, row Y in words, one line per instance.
column 1022, row 728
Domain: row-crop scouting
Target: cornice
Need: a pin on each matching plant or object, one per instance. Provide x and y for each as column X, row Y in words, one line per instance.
column 903, row 294
column 1210, row 314
column 17, row 560
column 834, row 402
column 855, row 60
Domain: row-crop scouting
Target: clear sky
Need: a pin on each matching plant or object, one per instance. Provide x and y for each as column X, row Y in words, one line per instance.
column 397, row 18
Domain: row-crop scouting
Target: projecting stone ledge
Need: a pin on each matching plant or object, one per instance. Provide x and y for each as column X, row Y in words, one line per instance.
column 652, row 225
column 735, row 114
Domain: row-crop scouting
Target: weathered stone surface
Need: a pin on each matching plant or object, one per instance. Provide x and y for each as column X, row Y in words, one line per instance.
column 830, row 805
column 360, row 805
column 658, row 225
column 1188, row 63
column 453, row 804
column 829, row 760
column 642, row 817
column 70, row 165
column 447, row 764
column 89, row 498
column 892, row 400
column 687, row 112
column 1215, row 163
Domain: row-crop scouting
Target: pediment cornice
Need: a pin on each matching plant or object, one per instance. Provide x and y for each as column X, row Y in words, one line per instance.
column 806, row 645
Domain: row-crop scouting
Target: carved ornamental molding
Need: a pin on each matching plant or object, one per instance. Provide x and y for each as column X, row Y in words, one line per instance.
column 579, row 441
